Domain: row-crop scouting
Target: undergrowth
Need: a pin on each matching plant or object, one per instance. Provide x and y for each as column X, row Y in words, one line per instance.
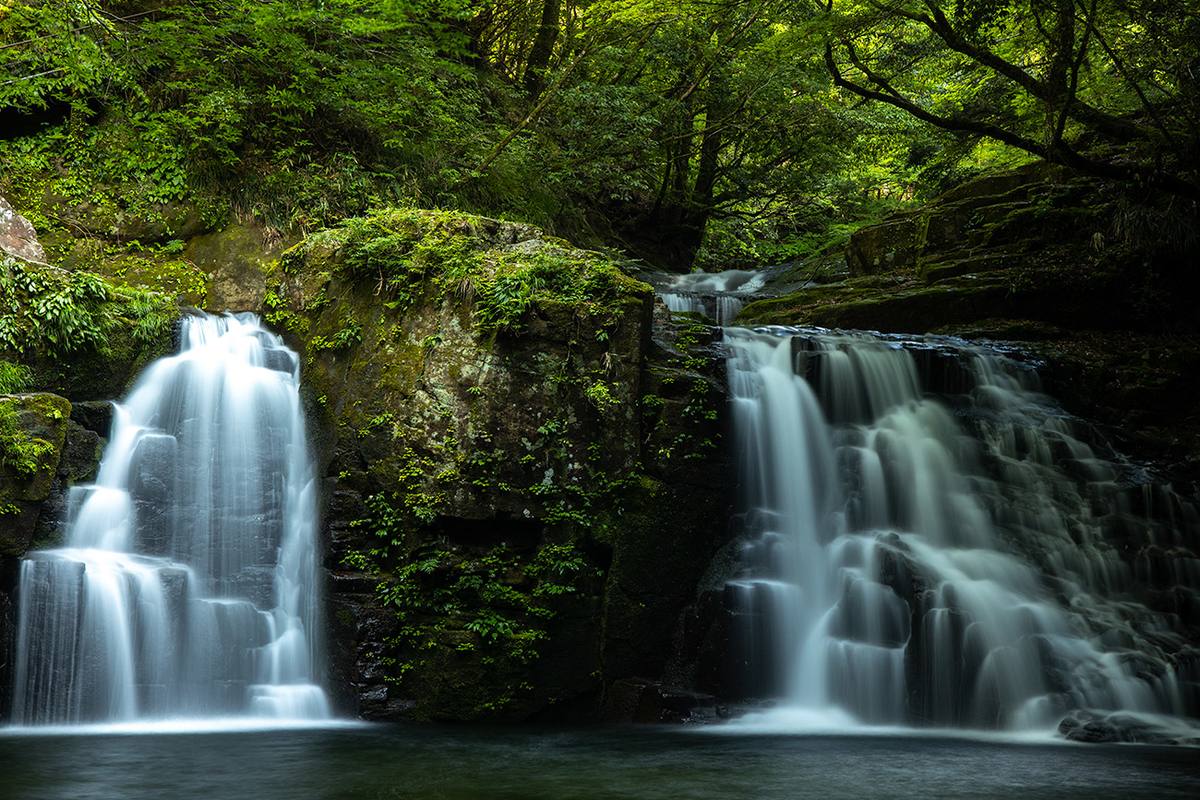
column 52, row 312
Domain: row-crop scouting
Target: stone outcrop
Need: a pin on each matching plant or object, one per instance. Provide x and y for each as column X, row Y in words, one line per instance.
column 234, row 263
column 1032, row 244
column 523, row 487
column 17, row 236
column 975, row 227
column 147, row 224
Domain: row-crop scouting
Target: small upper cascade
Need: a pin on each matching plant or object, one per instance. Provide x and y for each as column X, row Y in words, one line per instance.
column 187, row 587
column 720, row 296
column 932, row 542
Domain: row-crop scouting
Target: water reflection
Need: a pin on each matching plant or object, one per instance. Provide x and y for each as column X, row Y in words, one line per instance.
column 627, row 762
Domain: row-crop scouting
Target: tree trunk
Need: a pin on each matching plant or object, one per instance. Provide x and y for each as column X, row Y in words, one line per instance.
column 543, row 48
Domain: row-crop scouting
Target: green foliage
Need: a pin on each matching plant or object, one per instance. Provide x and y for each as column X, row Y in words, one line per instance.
column 601, row 396
column 300, row 114
column 44, row 310
column 59, row 51
column 19, row 451
column 51, row 310
column 692, row 132
column 1103, row 88
column 502, row 597
column 14, row 378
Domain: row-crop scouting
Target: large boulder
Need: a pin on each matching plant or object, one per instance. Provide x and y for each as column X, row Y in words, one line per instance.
column 234, row 262
column 523, row 489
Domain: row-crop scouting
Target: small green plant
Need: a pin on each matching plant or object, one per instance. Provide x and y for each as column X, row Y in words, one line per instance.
column 14, row 378
column 601, row 396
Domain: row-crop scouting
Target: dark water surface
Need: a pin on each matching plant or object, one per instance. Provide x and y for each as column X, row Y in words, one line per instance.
column 385, row 761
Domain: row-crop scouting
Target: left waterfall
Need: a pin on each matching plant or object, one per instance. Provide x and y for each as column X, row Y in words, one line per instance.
column 188, row 584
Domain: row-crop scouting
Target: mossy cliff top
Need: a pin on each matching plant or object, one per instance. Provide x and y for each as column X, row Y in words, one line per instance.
column 1037, row 243
column 497, row 465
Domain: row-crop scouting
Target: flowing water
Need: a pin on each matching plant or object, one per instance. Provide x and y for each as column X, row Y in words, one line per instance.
column 717, row 295
column 187, row 584
column 930, row 542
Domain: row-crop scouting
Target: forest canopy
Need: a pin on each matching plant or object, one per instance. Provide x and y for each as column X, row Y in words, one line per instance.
column 687, row 132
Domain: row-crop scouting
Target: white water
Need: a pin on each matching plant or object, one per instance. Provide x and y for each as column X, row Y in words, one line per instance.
column 720, row 296
column 187, row 588
column 914, row 563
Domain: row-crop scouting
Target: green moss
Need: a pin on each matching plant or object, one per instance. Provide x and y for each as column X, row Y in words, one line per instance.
column 21, row 452
column 76, row 332
column 399, row 251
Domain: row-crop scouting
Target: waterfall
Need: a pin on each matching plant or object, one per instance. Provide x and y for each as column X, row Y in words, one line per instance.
column 720, row 296
column 187, row 586
column 930, row 541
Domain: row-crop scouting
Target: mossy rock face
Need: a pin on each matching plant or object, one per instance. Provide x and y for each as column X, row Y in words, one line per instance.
column 480, row 397
column 33, row 431
column 1021, row 209
column 1031, row 244
column 44, row 450
column 76, row 333
column 146, row 223
column 234, row 263
column 889, row 245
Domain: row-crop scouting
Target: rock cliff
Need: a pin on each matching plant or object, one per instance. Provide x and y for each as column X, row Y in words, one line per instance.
column 523, row 487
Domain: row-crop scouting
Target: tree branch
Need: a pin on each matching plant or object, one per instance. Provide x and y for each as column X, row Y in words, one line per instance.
column 1061, row 154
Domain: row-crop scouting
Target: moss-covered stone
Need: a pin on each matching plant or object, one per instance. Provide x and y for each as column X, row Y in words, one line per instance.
column 491, row 464
column 116, row 213
column 76, row 333
column 1033, row 244
column 33, row 430
column 234, row 262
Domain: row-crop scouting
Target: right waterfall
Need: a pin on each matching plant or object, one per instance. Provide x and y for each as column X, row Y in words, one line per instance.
column 930, row 541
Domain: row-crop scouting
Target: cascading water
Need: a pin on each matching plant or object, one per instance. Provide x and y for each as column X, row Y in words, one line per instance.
column 719, row 296
column 889, row 567
column 187, row 586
